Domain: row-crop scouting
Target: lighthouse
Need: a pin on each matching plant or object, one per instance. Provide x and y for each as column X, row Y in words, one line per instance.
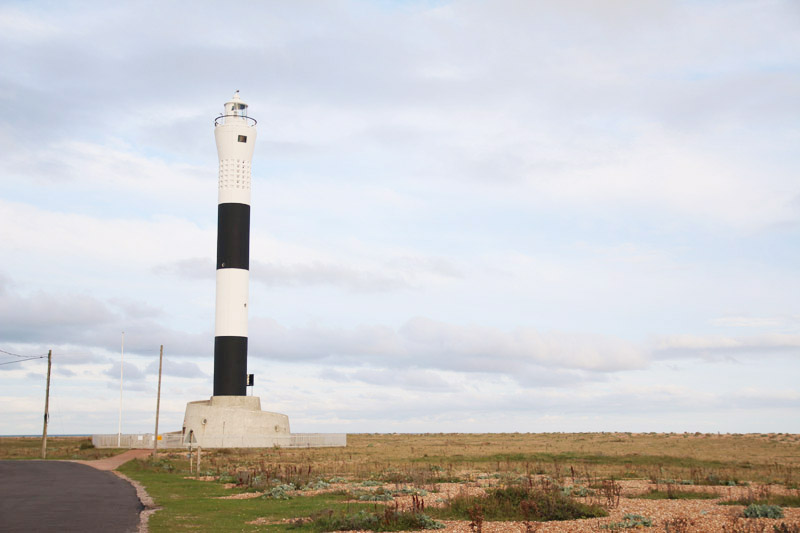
column 230, row 418
column 235, row 134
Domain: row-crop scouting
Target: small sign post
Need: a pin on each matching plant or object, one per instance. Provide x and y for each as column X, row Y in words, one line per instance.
column 158, row 400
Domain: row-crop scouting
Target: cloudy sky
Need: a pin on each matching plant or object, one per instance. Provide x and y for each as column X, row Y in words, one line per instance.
column 467, row 216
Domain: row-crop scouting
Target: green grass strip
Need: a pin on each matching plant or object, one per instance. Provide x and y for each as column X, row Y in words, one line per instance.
column 192, row 505
column 783, row 500
column 677, row 495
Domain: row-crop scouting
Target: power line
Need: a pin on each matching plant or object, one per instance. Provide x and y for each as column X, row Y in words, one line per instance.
column 18, row 355
column 23, row 360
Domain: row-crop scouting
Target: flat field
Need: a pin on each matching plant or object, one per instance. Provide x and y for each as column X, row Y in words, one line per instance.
column 479, row 483
column 57, row 448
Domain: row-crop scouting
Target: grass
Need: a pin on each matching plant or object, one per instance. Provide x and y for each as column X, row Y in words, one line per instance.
column 444, row 457
column 782, row 500
column 671, row 494
column 518, row 503
column 589, row 460
column 389, row 520
column 192, row 505
column 16, row 448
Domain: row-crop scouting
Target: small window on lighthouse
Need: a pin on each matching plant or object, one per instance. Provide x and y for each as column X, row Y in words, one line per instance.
column 242, row 138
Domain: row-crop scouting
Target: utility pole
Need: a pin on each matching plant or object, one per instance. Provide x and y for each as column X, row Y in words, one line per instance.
column 158, row 401
column 121, row 367
column 46, row 404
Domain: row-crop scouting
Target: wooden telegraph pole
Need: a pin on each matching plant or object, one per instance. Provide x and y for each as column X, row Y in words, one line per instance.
column 158, row 401
column 46, row 405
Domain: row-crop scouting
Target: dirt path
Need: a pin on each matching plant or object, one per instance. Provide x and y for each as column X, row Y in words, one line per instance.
column 112, row 463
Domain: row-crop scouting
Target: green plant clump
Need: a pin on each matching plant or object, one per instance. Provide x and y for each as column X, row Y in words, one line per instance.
column 390, row 520
column 577, row 490
column 762, row 511
column 629, row 521
column 320, row 484
column 677, row 495
column 281, row 492
column 520, row 502
column 780, row 500
column 405, row 491
column 374, row 497
column 162, row 465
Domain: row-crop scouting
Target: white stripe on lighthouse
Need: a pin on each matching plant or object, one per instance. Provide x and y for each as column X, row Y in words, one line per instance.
column 231, row 319
column 234, row 181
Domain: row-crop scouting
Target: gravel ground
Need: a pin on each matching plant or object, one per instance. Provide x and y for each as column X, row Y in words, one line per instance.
column 695, row 516
column 698, row 516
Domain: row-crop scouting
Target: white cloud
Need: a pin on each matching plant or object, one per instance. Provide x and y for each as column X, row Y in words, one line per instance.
column 130, row 372
column 181, row 369
column 114, row 241
column 564, row 195
column 756, row 322
column 710, row 347
column 423, row 342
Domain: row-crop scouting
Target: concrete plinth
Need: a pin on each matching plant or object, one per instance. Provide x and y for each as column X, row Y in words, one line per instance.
column 233, row 422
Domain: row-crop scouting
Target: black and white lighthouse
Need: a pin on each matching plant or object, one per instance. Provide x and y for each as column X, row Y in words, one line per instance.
column 230, row 418
column 235, row 134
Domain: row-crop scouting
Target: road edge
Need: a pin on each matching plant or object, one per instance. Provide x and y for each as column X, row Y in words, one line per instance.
column 149, row 505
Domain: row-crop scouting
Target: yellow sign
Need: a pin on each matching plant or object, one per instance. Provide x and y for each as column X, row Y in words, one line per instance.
column 159, row 437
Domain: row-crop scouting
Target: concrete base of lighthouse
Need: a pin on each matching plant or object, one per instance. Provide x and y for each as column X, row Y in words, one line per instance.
column 234, row 422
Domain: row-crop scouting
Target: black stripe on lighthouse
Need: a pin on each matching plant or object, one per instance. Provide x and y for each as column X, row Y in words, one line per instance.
column 230, row 366
column 233, row 236
column 233, row 252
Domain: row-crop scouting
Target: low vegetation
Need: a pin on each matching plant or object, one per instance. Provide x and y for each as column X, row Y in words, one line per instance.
column 781, row 500
column 755, row 510
column 672, row 494
column 81, row 448
column 519, row 502
column 383, row 482
column 389, row 520
column 629, row 521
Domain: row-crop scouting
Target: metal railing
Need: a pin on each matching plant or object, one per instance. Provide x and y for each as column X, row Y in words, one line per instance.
column 138, row 440
column 246, row 118
column 311, row 440
column 175, row 440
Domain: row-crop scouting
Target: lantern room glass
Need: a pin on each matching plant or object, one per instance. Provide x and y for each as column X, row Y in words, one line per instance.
column 237, row 109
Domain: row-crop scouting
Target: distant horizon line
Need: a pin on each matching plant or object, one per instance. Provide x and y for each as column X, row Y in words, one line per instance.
column 456, row 433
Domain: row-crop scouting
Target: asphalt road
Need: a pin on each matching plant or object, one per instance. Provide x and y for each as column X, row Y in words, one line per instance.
column 61, row 496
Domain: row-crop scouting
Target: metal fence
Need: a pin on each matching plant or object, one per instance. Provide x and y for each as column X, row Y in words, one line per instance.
column 175, row 440
column 138, row 440
column 312, row 440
